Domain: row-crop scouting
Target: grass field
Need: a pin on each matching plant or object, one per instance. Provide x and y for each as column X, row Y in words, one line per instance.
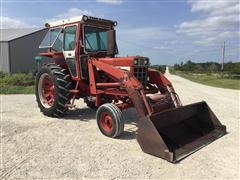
column 24, row 83
column 211, row 79
column 19, row 83
column 16, row 89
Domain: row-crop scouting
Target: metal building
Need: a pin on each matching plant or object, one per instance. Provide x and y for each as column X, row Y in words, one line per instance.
column 18, row 47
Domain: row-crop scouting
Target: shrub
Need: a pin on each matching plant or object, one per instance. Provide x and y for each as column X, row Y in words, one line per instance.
column 2, row 74
column 161, row 68
column 208, row 67
column 18, row 79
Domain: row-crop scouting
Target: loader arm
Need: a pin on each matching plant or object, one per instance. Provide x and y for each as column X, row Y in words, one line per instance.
column 163, row 84
column 132, row 85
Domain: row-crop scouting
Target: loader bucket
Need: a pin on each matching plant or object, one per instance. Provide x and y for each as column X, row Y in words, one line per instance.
column 176, row 133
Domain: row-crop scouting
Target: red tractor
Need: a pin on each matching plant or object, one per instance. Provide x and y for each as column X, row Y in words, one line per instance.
column 85, row 66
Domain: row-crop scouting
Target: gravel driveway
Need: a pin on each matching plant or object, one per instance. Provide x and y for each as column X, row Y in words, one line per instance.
column 35, row 146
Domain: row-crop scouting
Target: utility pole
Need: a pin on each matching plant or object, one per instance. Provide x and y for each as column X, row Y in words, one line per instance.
column 223, row 57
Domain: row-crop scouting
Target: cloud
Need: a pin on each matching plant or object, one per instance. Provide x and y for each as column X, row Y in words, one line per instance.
column 209, row 25
column 116, row 2
column 145, row 33
column 72, row 12
column 161, row 48
column 215, row 7
column 220, row 20
column 206, row 41
column 151, row 41
column 7, row 23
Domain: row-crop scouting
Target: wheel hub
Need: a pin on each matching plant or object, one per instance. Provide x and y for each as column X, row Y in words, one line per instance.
column 106, row 122
column 46, row 90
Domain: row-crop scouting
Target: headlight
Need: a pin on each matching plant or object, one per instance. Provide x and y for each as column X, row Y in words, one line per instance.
column 145, row 62
column 85, row 18
column 47, row 25
column 135, row 62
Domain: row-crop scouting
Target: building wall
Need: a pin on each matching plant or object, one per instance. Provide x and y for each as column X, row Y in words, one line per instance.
column 4, row 57
column 23, row 51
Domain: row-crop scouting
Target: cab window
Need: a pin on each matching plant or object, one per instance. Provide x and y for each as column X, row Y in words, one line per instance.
column 58, row 44
column 70, row 38
column 50, row 38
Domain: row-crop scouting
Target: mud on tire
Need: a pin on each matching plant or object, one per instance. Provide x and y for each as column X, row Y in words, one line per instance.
column 62, row 83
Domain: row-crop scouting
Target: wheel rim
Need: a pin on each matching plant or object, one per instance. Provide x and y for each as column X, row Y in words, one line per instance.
column 46, row 90
column 106, row 122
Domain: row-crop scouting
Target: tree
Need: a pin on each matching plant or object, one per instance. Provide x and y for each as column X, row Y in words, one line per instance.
column 199, row 68
column 177, row 67
column 213, row 68
column 181, row 63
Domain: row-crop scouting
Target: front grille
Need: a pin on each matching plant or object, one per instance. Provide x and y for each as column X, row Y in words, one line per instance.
column 140, row 72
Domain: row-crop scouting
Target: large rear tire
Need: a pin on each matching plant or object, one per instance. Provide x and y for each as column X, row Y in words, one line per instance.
column 110, row 120
column 52, row 87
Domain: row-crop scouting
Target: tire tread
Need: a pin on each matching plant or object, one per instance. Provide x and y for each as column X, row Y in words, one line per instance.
column 63, row 84
column 118, row 118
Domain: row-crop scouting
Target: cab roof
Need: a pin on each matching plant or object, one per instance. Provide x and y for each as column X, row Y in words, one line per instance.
column 82, row 18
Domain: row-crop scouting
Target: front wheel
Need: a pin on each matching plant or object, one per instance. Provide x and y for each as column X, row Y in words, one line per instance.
column 110, row 120
column 52, row 90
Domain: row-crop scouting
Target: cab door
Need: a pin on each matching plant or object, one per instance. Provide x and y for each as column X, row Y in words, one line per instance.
column 69, row 48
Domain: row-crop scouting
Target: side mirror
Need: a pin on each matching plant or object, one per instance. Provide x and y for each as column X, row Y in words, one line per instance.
column 111, row 40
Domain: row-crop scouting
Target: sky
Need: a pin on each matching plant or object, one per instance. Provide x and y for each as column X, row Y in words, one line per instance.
column 166, row 31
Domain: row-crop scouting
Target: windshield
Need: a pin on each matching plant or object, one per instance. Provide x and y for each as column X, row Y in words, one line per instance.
column 95, row 39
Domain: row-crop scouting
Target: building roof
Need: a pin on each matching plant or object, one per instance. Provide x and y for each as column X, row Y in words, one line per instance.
column 11, row 34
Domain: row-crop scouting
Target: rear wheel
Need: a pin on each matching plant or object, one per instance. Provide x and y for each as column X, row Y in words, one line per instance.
column 52, row 90
column 110, row 120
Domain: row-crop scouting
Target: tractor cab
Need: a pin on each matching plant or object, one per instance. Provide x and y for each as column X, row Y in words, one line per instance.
column 72, row 41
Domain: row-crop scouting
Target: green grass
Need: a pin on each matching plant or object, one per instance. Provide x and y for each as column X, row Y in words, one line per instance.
column 18, row 83
column 17, row 90
column 21, row 83
column 211, row 79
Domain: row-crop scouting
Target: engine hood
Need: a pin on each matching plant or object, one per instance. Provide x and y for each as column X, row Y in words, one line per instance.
column 126, row 61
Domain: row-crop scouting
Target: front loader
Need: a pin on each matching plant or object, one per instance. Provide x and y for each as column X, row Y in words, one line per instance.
column 85, row 65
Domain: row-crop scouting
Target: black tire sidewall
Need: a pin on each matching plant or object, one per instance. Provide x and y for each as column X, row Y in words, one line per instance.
column 47, row 111
column 114, row 118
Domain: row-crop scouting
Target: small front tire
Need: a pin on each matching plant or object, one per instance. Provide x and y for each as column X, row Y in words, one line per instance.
column 110, row 120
